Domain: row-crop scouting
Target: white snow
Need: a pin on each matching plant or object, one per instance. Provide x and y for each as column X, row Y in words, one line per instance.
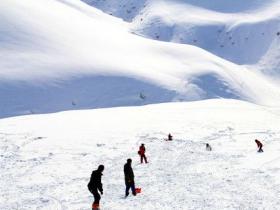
column 210, row 69
column 67, row 54
column 46, row 160
column 242, row 37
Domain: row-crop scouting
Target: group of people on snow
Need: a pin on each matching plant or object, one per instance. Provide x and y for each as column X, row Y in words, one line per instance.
column 95, row 184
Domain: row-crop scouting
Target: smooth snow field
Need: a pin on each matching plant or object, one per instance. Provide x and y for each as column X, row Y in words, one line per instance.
column 46, row 160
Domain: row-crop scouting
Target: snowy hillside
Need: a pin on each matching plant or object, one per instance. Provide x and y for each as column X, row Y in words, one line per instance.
column 218, row 60
column 62, row 55
column 241, row 37
column 46, row 160
column 237, row 30
column 270, row 62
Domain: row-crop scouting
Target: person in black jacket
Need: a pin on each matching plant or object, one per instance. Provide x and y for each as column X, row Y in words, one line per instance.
column 259, row 144
column 95, row 185
column 129, row 178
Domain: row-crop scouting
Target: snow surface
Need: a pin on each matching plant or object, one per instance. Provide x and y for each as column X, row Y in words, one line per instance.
column 242, row 37
column 237, row 30
column 46, row 160
column 58, row 55
column 63, row 55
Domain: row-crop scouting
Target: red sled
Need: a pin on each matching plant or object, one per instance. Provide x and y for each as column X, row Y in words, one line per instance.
column 138, row 190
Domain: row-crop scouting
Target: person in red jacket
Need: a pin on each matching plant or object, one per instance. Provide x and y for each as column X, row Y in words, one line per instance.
column 259, row 144
column 141, row 152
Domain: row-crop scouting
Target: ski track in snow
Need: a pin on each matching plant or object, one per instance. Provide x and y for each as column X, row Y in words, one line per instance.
column 180, row 173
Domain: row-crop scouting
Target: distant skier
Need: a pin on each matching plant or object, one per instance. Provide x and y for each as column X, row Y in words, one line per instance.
column 170, row 137
column 208, row 147
column 141, row 152
column 95, row 185
column 259, row 144
column 129, row 178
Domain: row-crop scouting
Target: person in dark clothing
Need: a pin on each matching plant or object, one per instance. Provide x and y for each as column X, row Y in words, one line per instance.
column 95, row 185
column 129, row 178
column 170, row 137
column 141, row 152
column 208, row 147
column 259, row 144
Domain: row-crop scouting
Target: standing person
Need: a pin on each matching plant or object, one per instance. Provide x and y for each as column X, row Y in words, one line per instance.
column 170, row 137
column 95, row 185
column 129, row 178
column 259, row 144
column 141, row 152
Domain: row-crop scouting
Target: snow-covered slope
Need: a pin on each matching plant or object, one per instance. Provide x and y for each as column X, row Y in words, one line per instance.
column 60, row 55
column 46, row 160
column 124, row 9
column 242, row 37
column 270, row 62
column 237, row 30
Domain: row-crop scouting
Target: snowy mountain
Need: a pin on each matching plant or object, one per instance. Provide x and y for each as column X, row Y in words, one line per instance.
column 69, row 55
column 237, row 30
column 270, row 62
column 218, row 60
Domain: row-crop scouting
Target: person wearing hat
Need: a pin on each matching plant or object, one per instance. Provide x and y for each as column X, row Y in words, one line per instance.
column 95, row 185
column 141, row 152
column 129, row 178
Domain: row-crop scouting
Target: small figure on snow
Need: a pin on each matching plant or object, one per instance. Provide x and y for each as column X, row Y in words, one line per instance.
column 259, row 144
column 170, row 137
column 141, row 152
column 208, row 147
column 129, row 178
column 95, row 185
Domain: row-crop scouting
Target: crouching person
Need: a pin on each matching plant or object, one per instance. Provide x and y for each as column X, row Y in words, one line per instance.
column 208, row 147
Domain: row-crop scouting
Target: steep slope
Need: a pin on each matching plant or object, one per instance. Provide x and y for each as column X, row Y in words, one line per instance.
column 49, row 63
column 129, row 9
column 237, row 30
column 246, row 30
column 270, row 62
column 242, row 37
column 124, row 9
